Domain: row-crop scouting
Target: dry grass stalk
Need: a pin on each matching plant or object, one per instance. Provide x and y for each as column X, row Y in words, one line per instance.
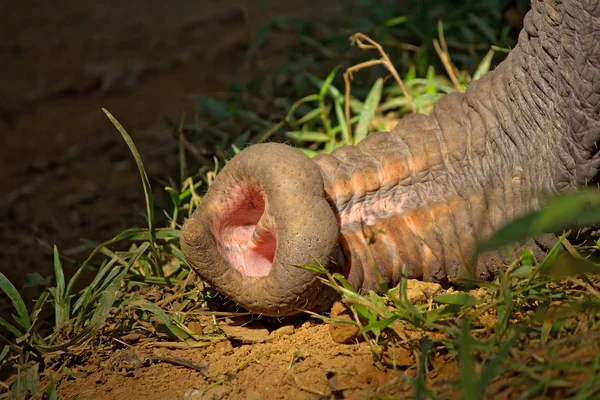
column 442, row 51
column 359, row 39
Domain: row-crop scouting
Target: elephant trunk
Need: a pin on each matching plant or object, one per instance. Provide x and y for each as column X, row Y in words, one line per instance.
column 423, row 194
column 265, row 213
column 420, row 196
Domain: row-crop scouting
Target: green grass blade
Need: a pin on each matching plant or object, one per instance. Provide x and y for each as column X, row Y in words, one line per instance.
column 105, row 251
column 327, row 82
column 368, row 111
column 396, row 21
column 316, row 268
column 356, row 106
column 144, row 176
column 501, row 49
column 469, row 388
column 4, row 352
column 425, row 102
column 433, row 85
column 108, row 296
column 179, row 331
column 508, row 305
column 308, row 136
column 560, row 213
column 102, row 310
column 89, row 295
column 138, row 234
column 430, row 80
column 58, row 272
column 51, row 390
column 10, row 327
column 177, row 253
column 22, row 317
column 484, row 65
column 290, row 115
column 551, row 255
column 462, row 299
column 309, row 116
column 378, row 325
column 343, row 282
column 394, row 103
column 37, row 307
column 329, row 88
column 61, row 302
column 567, row 265
column 174, row 194
column 339, row 113
column 17, row 389
column 32, row 380
column 153, row 280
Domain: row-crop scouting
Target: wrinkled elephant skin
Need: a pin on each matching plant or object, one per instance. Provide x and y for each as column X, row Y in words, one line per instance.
column 420, row 196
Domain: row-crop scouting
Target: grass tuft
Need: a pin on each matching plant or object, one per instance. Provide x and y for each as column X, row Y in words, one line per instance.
column 143, row 175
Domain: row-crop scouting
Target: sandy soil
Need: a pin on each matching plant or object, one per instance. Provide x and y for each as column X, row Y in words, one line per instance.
column 298, row 363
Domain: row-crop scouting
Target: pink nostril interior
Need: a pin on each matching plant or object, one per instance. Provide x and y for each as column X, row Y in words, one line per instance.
column 245, row 233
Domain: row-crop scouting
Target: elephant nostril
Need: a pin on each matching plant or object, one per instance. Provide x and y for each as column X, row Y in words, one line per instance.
column 244, row 230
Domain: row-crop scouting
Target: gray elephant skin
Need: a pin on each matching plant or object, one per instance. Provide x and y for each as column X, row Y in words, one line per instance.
column 420, row 196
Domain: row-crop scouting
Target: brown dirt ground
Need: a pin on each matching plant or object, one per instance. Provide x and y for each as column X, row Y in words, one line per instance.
column 65, row 174
column 301, row 363
column 299, row 360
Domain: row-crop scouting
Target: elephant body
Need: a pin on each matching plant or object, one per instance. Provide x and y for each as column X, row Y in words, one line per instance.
column 420, row 196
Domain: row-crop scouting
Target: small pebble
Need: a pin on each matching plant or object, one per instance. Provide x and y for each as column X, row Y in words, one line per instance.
column 283, row 331
column 253, row 333
column 342, row 332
